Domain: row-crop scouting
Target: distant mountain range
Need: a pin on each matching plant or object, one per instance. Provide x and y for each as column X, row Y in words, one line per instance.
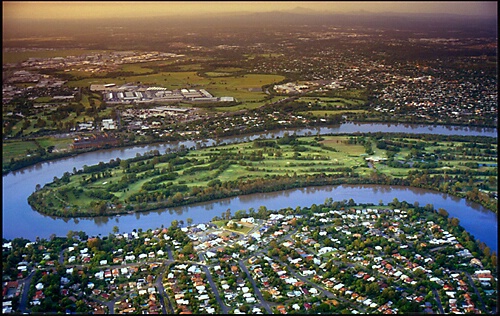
column 296, row 16
column 308, row 11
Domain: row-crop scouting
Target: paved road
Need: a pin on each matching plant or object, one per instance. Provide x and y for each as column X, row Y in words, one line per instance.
column 24, row 296
column 255, row 288
column 317, row 286
column 224, row 308
column 109, row 304
column 61, row 256
column 471, row 282
column 304, row 279
column 438, row 300
column 169, row 252
column 162, row 294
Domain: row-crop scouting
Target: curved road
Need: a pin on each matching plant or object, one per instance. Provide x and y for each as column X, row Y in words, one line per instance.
column 26, row 282
column 255, row 287
column 224, row 308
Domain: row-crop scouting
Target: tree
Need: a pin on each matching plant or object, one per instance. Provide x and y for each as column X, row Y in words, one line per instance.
column 178, row 197
column 188, row 248
column 443, row 212
column 124, row 164
column 395, row 203
column 81, row 307
column 116, row 229
column 189, row 221
column 487, row 251
column 262, row 212
column 402, row 237
column 94, row 243
column 174, row 224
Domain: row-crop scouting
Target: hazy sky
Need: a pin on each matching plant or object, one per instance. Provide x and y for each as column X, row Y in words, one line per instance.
column 108, row 9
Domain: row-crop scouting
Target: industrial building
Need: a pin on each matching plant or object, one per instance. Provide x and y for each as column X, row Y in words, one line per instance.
column 139, row 94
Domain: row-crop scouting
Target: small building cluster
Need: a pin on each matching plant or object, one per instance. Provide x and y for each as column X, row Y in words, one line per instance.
column 130, row 93
column 94, row 141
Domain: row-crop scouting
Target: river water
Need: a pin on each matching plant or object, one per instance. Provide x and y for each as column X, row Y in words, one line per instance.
column 20, row 220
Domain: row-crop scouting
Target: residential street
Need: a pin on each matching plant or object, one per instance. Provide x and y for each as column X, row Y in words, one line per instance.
column 255, row 287
column 224, row 309
column 24, row 295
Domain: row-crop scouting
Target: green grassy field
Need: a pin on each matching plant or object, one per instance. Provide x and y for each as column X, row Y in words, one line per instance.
column 184, row 78
column 242, row 230
column 331, row 101
column 244, row 88
column 313, row 160
column 43, row 99
column 228, row 69
column 321, row 113
column 246, row 161
column 15, row 57
column 339, row 143
column 136, row 69
column 16, row 149
column 217, row 74
column 268, row 55
column 58, row 143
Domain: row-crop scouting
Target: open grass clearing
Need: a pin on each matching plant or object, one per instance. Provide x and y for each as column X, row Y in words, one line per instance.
column 330, row 100
column 16, row 149
column 215, row 74
column 244, row 228
column 58, row 143
column 78, row 73
column 191, row 67
column 250, row 81
column 136, row 68
column 265, row 55
column 43, row 99
column 15, row 57
column 229, row 69
column 340, row 143
column 245, row 88
column 253, row 161
column 322, row 113
column 85, row 100
column 241, row 229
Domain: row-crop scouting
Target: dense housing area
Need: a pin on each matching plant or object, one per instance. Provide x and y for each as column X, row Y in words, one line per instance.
column 331, row 258
column 101, row 84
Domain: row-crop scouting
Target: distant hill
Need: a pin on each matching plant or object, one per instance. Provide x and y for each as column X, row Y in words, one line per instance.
column 297, row 16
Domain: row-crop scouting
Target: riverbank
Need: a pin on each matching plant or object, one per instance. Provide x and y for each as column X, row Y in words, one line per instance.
column 19, row 219
column 335, row 235
column 154, row 181
column 35, row 158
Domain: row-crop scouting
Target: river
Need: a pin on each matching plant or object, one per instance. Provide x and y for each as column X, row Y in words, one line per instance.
column 20, row 220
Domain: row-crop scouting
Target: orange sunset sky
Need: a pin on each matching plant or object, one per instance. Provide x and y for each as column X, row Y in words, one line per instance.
column 110, row 9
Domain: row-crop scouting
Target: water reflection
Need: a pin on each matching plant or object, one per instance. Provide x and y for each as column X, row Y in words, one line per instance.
column 19, row 220
column 101, row 220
